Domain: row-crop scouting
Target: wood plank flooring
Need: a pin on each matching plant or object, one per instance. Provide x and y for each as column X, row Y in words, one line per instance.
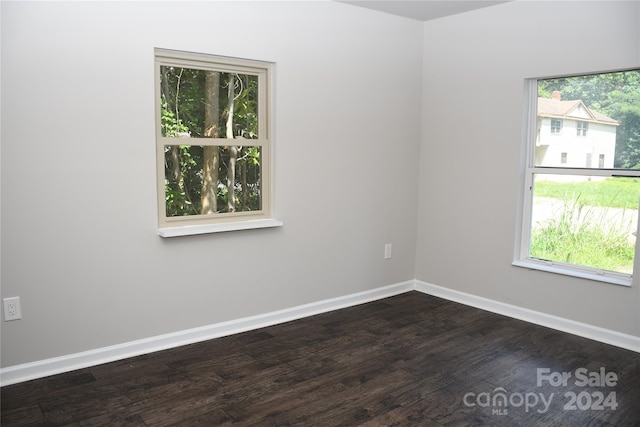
column 408, row 360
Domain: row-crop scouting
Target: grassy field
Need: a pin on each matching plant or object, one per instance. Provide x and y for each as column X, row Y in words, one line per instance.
column 611, row 192
column 580, row 233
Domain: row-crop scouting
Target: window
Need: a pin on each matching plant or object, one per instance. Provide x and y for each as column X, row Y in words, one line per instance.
column 213, row 143
column 556, row 126
column 583, row 220
column 582, row 128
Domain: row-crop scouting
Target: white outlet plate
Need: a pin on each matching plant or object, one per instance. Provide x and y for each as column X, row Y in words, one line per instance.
column 12, row 309
column 387, row 251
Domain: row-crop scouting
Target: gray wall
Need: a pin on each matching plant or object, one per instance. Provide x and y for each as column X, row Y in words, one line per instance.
column 79, row 243
column 473, row 102
column 387, row 131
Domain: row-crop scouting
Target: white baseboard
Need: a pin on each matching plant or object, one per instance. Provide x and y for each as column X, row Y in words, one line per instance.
column 607, row 336
column 57, row 365
column 43, row 368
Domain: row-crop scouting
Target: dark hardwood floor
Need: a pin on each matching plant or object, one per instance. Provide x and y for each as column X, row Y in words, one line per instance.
column 408, row 360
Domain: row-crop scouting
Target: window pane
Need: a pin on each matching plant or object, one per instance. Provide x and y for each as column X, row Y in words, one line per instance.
column 208, row 104
column 585, row 220
column 595, row 114
column 212, row 180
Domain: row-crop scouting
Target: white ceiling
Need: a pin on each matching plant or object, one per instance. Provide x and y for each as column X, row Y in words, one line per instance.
column 422, row 10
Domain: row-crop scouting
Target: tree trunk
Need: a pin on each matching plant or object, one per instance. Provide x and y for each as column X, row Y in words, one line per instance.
column 175, row 164
column 233, row 150
column 211, row 154
column 243, row 180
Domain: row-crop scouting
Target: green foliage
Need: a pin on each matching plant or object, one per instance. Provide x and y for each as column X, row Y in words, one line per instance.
column 182, row 180
column 611, row 192
column 587, row 231
column 252, row 156
column 183, row 115
column 245, row 115
column 616, row 95
column 581, row 235
column 183, row 192
column 170, row 125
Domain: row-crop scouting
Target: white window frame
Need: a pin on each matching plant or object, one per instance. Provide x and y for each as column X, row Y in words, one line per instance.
column 522, row 256
column 202, row 224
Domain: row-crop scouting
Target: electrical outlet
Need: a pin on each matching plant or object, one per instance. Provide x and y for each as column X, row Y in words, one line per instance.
column 12, row 309
column 387, row 251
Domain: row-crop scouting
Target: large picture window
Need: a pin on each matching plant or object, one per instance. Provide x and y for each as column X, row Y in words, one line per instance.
column 213, row 143
column 580, row 217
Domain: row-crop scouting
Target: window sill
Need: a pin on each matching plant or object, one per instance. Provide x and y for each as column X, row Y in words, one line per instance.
column 559, row 269
column 190, row 230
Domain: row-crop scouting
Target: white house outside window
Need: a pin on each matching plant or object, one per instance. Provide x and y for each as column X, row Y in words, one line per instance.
column 582, row 219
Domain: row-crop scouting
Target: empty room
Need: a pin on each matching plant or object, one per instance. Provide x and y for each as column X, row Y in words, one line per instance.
column 320, row 213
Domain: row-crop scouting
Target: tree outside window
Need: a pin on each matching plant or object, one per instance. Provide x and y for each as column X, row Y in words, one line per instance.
column 213, row 139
